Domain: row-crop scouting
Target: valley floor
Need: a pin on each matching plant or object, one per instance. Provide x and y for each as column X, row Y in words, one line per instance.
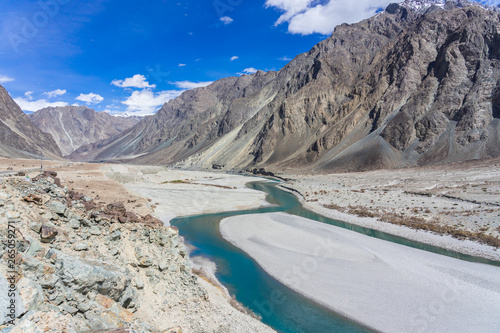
column 462, row 200
column 456, row 207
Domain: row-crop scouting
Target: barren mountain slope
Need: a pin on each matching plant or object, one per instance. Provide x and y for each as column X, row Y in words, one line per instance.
column 75, row 126
column 418, row 83
column 18, row 136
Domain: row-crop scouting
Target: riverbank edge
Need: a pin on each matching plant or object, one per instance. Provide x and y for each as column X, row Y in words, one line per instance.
column 201, row 265
column 429, row 238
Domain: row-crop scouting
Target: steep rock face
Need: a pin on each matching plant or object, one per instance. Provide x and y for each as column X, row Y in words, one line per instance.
column 18, row 136
column 75, row 126
column 416, row 84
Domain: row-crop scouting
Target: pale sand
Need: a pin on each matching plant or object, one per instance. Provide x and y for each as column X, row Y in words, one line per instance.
column 202, row 192
column 465, row 196
column 389, row 287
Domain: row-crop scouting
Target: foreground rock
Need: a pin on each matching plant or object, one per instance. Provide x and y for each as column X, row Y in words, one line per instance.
column 87, row 266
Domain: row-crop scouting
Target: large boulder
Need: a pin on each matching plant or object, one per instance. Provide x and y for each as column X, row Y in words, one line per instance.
column 85, row 275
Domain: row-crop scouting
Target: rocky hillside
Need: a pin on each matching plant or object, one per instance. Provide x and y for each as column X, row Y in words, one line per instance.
column 18, row 136
column 75, row 126
column 82, row 265
column 417, row 84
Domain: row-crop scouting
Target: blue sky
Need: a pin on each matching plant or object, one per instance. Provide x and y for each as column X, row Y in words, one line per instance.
column 132, row 56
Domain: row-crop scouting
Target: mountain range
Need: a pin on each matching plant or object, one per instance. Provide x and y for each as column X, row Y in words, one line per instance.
column 416, row 84
column 19, row 138
column 75, row 126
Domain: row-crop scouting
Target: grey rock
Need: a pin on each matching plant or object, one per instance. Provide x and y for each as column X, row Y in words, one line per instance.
column 80, row 246
column 35, row 226
column 34, row 246
column 95, row 230
column 31, row 294
column 85, row 276
column 49, row 281
column 139, row 284
column 115, row 235
column 163, row 265
column 12, row 215
column 58, row 207
column 74, row 223
column 129, row 298
column 143, row 259
column 68, row 309
column 84, row 306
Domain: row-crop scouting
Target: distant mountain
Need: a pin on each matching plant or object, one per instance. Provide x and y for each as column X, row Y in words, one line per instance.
column 75, row 126
column 418, row 83
column 19, row 138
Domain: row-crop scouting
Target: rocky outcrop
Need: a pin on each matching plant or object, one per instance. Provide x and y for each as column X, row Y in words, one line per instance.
column 416, row 84
column 79, row 266
column 75, row 126
column 18, row 136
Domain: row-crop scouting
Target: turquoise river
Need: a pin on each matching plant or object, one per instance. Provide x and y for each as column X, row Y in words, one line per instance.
column 280, row 307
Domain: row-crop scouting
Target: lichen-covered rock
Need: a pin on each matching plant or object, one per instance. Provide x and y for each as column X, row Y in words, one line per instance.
column 85, row 276
column 58, row 207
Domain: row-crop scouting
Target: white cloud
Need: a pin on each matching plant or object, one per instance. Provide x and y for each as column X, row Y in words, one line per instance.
column 54, row 93
column 308, row 16
column 226, row 20
column 285, row 58
column 29, row 95
column 146, row 102
column 90, row 98
column 28, row 104
column 182, row 65
column 5, row 78
column 136, row 81
column 191, row 85
column 248, row 71
column 234, row 58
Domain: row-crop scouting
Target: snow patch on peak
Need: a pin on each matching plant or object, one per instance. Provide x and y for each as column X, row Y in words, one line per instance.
column 421, row 6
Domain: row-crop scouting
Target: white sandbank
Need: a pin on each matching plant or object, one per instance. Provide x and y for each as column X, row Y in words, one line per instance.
column 390, row 287
column 177, row 193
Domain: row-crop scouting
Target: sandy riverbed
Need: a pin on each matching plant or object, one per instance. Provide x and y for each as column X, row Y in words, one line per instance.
column 387, row 286
column 462, row 197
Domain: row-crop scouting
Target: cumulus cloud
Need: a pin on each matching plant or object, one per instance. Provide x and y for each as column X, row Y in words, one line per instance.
column 248, row 71
column 306, row 17
column 136, row 81
column 234, row 58
column 5, row 78
column 191, row 85
column 90, row 98
column 226, row 20
column 29, row 95
column 146, row 102
column 28, row 104
column 54, row 93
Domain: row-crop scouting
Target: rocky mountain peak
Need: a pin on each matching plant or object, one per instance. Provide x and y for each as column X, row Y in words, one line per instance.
column 421, row 6
column 74, row 126
column 18, row 136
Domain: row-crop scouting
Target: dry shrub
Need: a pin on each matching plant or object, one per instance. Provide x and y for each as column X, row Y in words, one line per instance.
column 333, row 206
